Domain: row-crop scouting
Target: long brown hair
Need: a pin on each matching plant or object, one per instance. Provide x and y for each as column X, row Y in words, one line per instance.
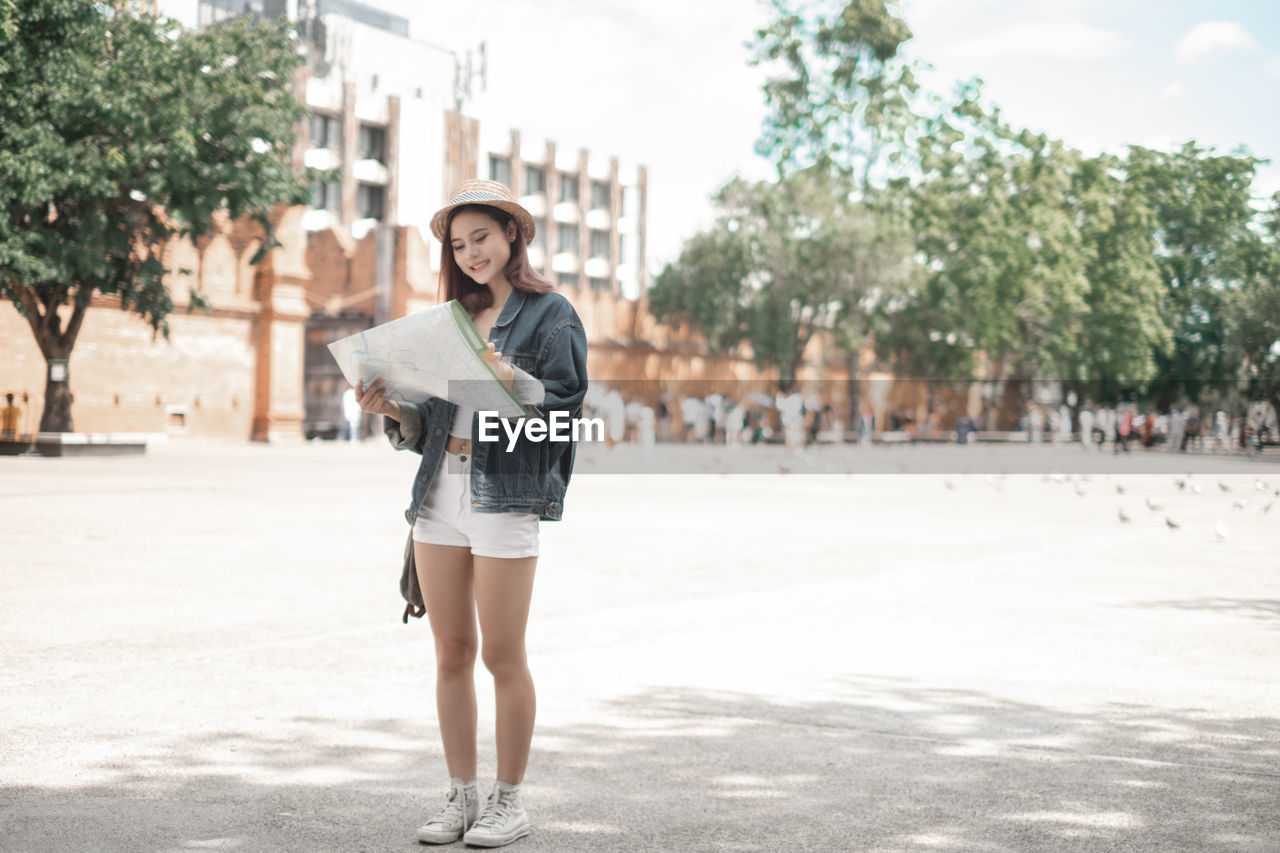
column 455, row 284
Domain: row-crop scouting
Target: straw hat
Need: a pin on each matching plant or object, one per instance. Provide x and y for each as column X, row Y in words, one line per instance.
column 489, row 193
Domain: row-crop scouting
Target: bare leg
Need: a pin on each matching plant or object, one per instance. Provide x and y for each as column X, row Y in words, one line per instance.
column 445, row 575
column 503, row 589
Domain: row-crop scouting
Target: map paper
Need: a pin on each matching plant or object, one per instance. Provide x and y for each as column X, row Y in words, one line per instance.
column 437, row 352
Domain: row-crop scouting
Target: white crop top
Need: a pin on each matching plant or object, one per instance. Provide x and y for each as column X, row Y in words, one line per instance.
column 460, row 427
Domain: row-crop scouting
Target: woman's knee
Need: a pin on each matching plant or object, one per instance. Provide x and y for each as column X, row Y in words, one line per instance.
column 504, row 659
column 455, row 656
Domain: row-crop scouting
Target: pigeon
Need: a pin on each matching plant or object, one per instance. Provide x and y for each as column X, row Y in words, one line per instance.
column 1181, row 484
column 1260, row 486
column 1153, row 506
column 1241, row 504
column 1267, row 508
column 1079, row 491
column 1224, row 487
column 1224, row 535
column 1057, row 477
column 1119, row 489
column 950, row 485
column 1124, row 519
column 1172, row 525
column 1197, row 488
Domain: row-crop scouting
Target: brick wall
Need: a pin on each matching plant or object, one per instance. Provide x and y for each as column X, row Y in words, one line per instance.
column 199, row 383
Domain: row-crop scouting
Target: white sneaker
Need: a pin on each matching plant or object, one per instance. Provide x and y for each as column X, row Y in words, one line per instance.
column 459, row 813
column 502, row 821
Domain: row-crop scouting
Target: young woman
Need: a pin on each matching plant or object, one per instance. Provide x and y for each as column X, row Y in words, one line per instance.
column 476, row 505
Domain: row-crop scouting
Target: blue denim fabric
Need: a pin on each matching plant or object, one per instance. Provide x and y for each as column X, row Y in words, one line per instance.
column 541, row 335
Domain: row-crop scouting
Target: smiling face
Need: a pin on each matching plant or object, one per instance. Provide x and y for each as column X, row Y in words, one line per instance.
column 480, row 245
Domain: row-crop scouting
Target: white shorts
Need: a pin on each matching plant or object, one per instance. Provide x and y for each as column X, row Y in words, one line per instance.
column 446, row 517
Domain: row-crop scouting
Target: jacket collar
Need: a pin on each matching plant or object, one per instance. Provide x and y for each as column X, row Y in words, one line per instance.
column 512, row 307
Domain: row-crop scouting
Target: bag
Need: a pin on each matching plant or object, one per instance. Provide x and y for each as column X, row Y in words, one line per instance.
column 409, row 589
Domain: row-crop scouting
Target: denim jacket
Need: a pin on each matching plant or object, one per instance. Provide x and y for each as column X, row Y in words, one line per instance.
column 541, row 336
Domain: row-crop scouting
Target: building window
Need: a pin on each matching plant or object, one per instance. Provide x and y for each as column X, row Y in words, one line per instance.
column 568, row 188
column 599, row 244
column 326, row 131
column 567, row 278
column 569, row 238
column 372, row 144
column 500, row 170
column 599, row 195
column 540, row 233
column 598, row 284
column 326, row 195
column 369, row 201
column 535, row 180
column 631, row 202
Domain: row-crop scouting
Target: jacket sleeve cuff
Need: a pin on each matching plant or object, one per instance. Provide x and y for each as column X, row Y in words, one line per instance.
column 404, row 433
column 528, row 390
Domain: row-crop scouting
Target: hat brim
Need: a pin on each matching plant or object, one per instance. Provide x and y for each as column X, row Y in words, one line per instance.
column 522, row 217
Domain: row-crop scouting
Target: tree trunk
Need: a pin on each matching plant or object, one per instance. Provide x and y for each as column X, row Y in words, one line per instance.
column 42, row 313
column 855, row 390
column 57, row 396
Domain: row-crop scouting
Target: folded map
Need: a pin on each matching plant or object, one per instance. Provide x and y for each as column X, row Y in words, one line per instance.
column 437, row 352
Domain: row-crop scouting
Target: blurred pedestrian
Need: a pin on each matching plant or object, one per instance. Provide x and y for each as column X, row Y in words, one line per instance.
column 1124, row 427
column 351, row 413
column 1086, row 426
column 791, row 411
column 663, row 413
column 9, row 419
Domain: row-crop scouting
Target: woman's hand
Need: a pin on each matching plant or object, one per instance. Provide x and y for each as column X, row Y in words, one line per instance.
column 374, row 400
column 503, row 370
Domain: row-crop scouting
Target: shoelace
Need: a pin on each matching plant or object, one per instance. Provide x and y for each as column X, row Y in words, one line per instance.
column 454, row 807
column 496, row 810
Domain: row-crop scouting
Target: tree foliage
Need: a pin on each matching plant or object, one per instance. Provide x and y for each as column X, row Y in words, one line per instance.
column 840, row 95
column 1253, row 316
column 118, row 132
column 1032, row 255
column 1206, row 248
column 784, row 260
column 958, row 241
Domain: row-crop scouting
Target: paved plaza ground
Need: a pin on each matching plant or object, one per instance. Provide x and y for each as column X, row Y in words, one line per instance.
column 883, row 649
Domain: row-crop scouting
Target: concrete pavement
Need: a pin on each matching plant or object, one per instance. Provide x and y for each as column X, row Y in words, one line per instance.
column 200, row 649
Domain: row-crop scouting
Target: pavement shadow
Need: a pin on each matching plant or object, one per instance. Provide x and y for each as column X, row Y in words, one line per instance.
column 883, row 765
column 895, row 766
column 1266, row 609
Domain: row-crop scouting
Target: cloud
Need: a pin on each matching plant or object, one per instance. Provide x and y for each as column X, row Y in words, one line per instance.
column 1211, row 36
column 1060, row 39
column 1173, row 90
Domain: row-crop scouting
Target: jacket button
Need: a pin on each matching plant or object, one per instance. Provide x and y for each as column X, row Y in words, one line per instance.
column 437, row 431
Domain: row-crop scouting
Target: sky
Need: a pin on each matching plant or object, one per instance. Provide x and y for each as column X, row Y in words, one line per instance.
column 668, row 84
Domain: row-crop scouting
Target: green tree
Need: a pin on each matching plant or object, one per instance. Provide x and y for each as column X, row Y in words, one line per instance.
column 1253, row 316
column 841, row 102
column 1124, row 329
column 1206, row 250
column 840, row 95
column 707, row 288
column 1004, row 262
column 780, row 264
column 118, row 132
